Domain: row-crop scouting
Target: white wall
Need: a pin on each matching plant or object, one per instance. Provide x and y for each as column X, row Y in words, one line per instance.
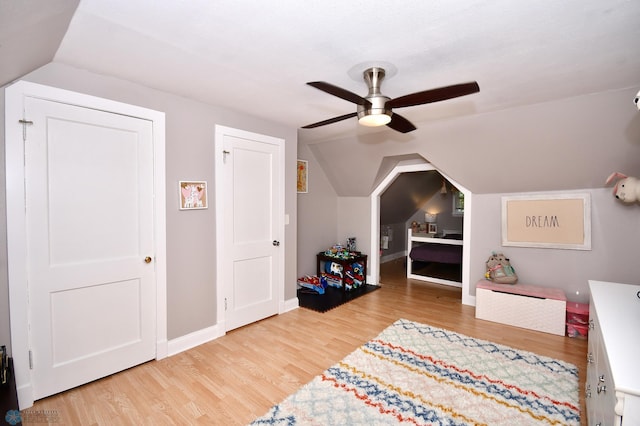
column 615, row 239
column 190, row 127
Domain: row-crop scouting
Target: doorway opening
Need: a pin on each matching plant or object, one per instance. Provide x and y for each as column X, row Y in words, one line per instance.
column 385, row 183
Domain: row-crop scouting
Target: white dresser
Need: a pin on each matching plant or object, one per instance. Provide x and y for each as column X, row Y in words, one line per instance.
column 612, row 390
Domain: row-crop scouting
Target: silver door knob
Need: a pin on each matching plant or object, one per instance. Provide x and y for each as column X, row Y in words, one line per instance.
column 276, row 243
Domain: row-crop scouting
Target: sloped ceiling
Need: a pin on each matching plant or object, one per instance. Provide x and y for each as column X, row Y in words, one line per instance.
column 406, row 194
column 557, row 78
column 30, row 34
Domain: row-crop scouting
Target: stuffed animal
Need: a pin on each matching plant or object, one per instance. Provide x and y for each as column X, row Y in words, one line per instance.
column 499, row 269
column 627, row 189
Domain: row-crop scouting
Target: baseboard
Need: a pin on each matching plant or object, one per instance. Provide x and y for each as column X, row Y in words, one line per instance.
column 25, row 396
column 289, row 305
column 162, row 349
column 393, row 256
column 191, row 340
column 197, row 338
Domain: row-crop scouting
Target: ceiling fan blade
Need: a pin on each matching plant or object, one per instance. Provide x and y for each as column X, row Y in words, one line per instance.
column 434, row 95
column 330, row 121
column 339, row 92
column 401, row 124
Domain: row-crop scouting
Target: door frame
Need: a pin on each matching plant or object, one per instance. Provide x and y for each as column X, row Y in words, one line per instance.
column 374, row 260
column 221, row 253
column 16, row 220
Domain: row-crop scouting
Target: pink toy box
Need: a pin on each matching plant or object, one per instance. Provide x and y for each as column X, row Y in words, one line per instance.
column 577, row 320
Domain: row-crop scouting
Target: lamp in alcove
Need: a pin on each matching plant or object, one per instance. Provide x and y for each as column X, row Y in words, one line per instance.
column 430, row 217
column 443, row 190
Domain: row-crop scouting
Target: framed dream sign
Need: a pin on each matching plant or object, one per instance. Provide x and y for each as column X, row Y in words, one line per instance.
column 561, row 221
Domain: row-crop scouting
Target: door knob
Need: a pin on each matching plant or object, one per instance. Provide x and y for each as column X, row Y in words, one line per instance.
column 147, row 259
column 276, row 243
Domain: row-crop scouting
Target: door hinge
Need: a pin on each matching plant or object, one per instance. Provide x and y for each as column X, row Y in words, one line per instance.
column 225, row 303
column 30, row 360
column 24, row 128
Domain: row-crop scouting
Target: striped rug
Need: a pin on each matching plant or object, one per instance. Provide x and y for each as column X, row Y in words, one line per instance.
column 417, row 374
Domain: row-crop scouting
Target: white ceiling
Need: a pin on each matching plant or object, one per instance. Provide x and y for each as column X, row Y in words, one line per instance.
column 256, row 56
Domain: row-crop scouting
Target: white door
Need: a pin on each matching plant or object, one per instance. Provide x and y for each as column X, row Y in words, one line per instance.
column 252, row 207
column 90, row 226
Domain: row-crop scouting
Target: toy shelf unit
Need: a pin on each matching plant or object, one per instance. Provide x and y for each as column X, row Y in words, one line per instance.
column 522, row 305
column 345, row 271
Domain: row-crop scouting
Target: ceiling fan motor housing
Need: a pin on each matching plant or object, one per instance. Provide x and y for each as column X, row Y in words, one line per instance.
column 375, row 113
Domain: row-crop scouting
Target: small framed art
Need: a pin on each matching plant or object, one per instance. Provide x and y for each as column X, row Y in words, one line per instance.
column 432, row 228
column 193, row 195
column 303, row 176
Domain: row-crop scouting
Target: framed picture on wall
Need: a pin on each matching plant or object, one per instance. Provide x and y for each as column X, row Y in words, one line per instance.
column 193, row 195
column 303, row 177
column 561, row 221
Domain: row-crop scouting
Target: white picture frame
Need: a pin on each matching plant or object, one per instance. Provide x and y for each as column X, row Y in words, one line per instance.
column 193, row 194
column 559, row 221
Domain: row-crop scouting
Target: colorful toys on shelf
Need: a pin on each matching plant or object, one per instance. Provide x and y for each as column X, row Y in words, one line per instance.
column 342, row 269
column 352, row 275
column 339, row 252
column 314, row 283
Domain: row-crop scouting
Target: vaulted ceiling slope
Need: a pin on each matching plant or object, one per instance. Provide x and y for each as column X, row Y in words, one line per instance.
column 557, row 78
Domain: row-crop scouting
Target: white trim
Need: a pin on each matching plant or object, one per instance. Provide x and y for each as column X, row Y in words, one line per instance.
column 196, row 338
column 289, row 305
column 393, row 256
column 16, row 226
column 374, row 259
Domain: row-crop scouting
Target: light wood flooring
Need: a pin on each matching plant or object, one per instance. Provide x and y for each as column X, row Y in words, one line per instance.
column 238, row 377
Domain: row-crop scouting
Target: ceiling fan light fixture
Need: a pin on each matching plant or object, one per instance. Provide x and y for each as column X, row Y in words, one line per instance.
column 375, row 119
column 374, row 113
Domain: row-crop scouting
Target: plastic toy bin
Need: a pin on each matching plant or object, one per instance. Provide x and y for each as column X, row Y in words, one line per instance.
column 577, row 320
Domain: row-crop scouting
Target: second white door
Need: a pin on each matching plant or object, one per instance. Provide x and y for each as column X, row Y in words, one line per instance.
column 252, row 209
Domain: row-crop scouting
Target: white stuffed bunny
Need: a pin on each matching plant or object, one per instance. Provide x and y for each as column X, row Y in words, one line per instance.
column 627, row 189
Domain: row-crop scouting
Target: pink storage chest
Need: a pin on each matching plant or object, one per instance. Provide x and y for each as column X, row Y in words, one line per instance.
column 522, row 305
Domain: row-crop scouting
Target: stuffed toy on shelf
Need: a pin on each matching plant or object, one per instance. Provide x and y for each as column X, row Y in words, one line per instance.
column 499, row 269
column 627, row 189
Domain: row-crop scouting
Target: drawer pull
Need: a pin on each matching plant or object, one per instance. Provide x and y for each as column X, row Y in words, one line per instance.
column 601, row 389
column 601, row 379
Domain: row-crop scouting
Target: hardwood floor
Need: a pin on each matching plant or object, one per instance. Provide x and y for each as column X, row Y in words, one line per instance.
column 238, row 377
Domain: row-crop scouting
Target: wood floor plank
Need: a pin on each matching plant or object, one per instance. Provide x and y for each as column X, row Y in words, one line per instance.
column 238, row 377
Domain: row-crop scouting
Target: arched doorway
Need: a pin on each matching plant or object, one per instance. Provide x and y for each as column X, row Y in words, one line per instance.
column 374, row 259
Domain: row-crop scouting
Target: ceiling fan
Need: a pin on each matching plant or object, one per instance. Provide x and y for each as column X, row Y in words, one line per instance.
column 375, row 109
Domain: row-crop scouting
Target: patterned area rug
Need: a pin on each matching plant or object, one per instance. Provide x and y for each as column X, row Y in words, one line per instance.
column 417, row 374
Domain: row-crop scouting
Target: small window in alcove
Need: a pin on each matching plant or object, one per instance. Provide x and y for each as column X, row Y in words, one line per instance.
column 458, row 204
